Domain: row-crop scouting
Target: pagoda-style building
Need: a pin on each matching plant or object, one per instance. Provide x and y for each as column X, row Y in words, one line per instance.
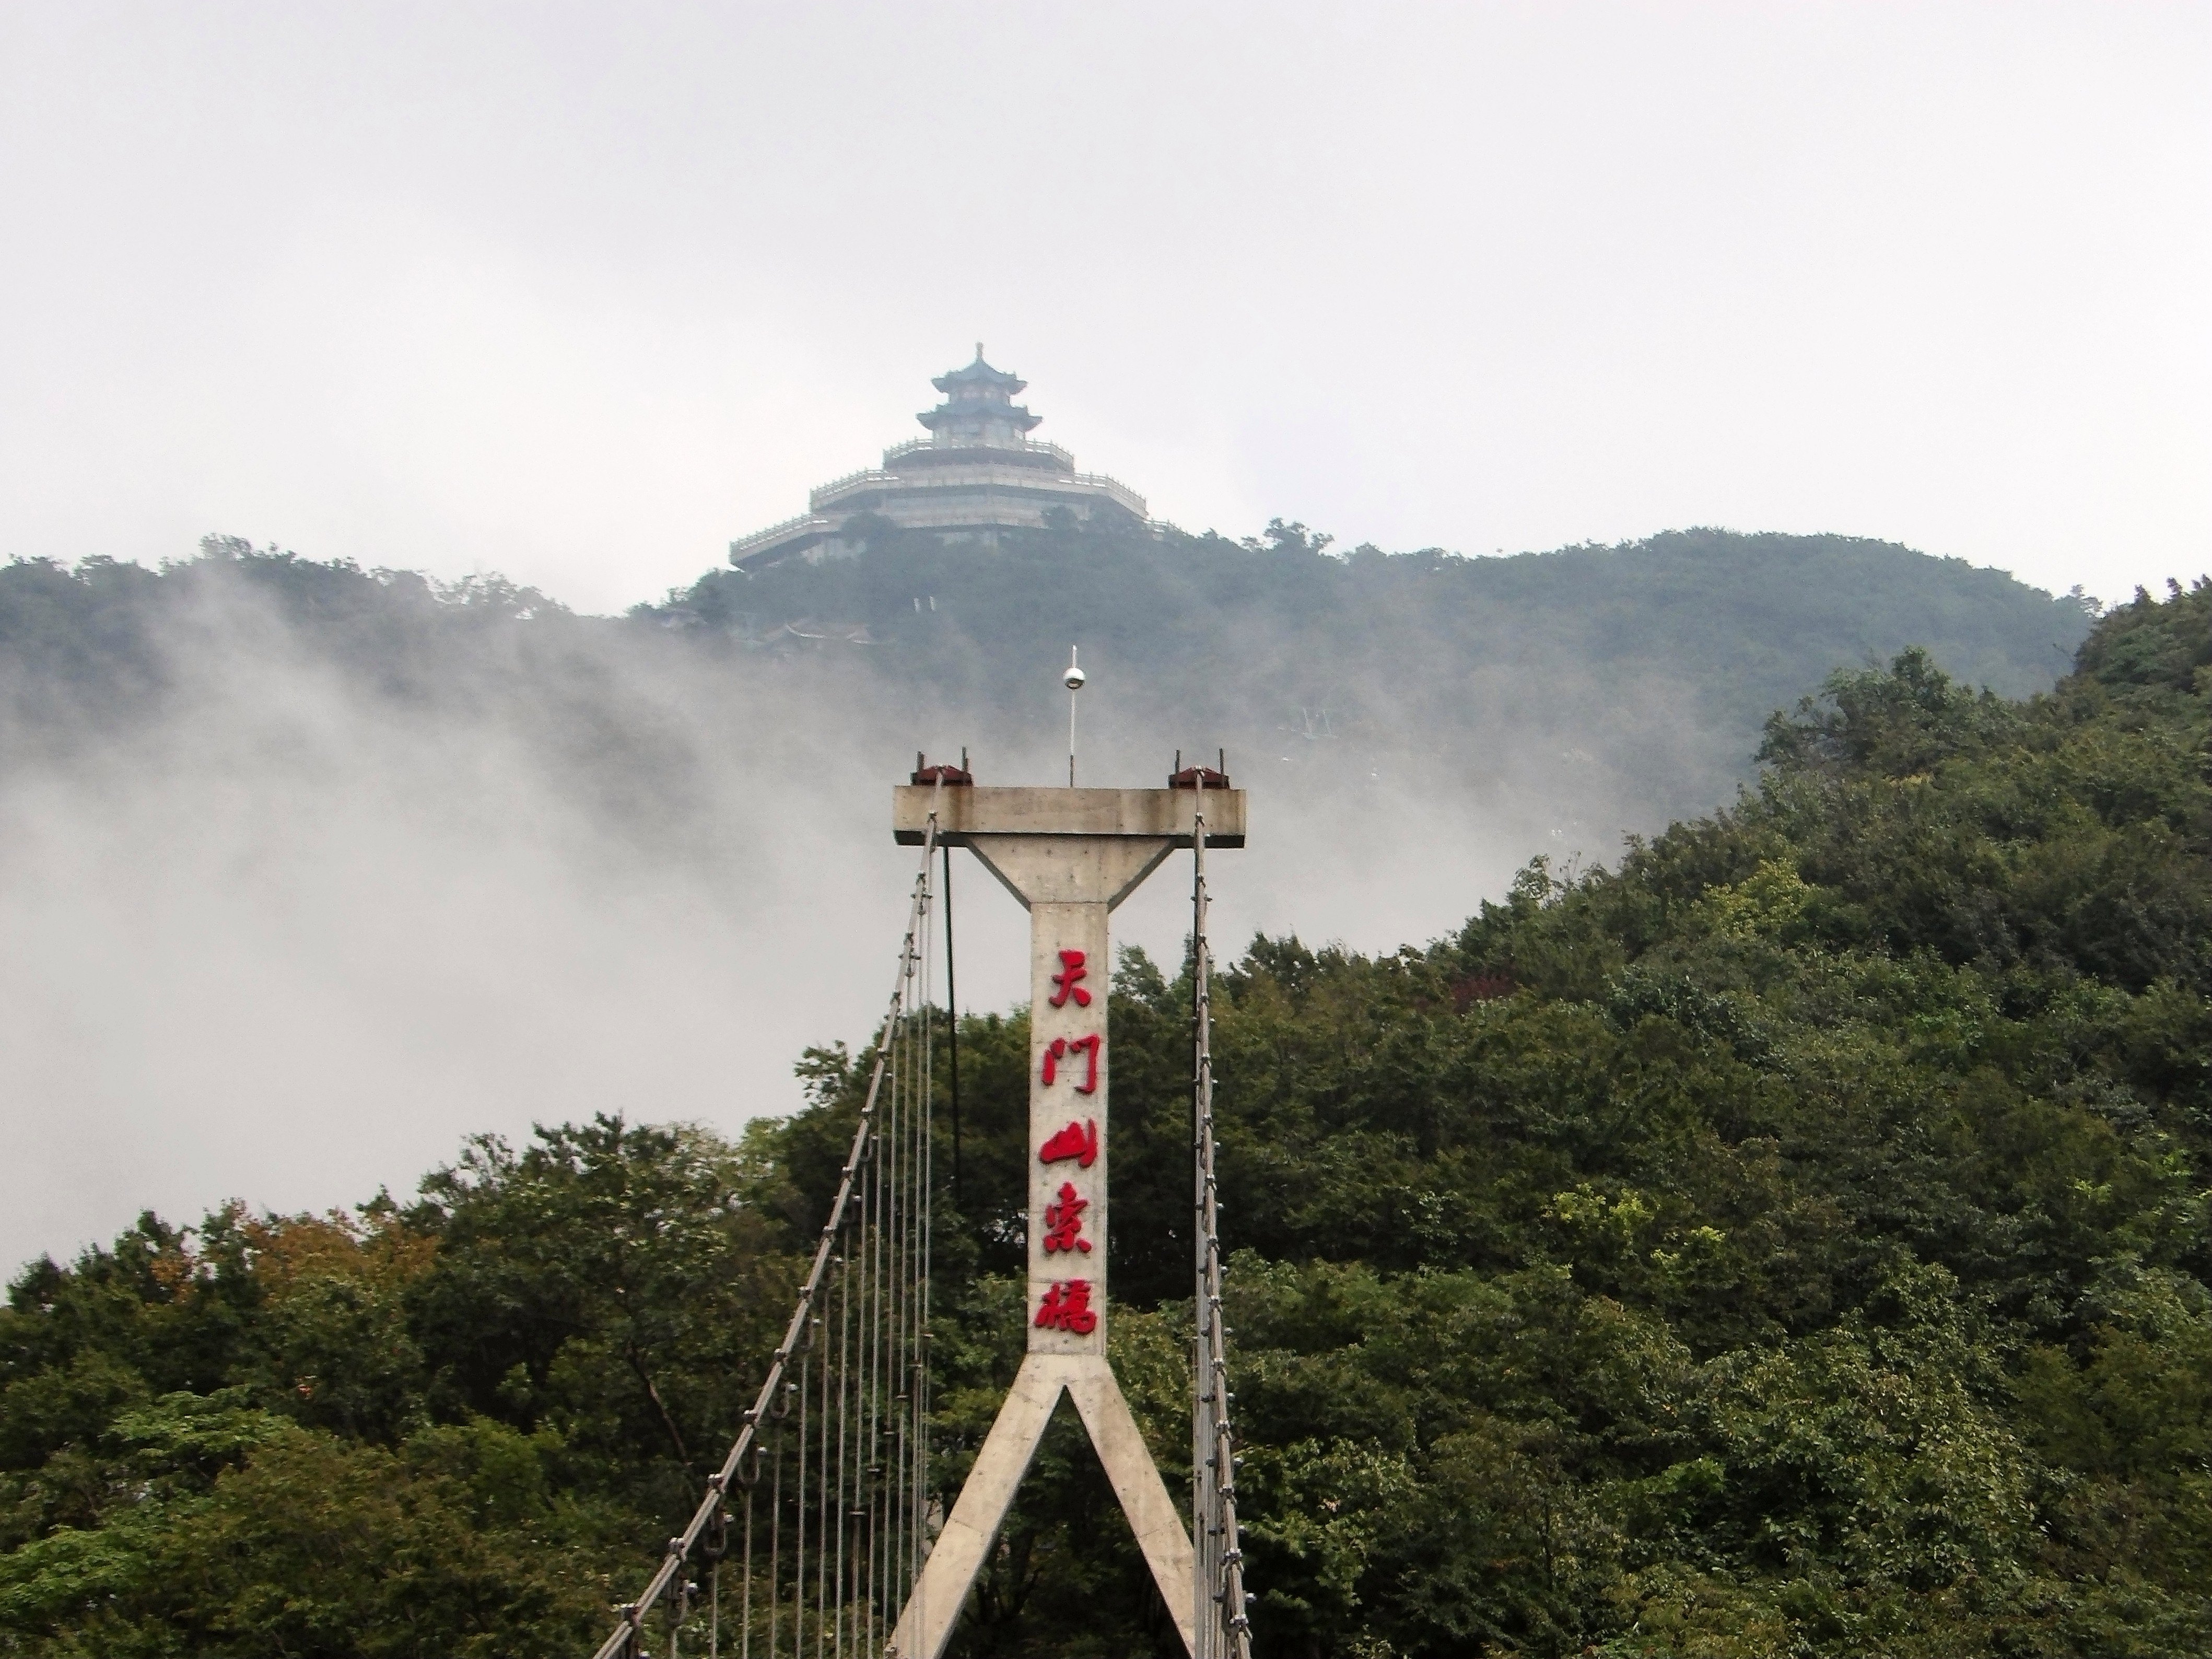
column 977, row 473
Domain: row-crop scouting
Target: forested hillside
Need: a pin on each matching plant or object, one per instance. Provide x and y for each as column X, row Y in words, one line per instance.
column 1792, row 1240
column 1619, row 683
column 1647, row 666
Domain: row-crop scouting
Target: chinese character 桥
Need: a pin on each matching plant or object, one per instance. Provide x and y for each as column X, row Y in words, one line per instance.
column 1067, row 1307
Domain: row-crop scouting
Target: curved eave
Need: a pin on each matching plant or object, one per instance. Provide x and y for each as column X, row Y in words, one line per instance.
column 980, row 372
column 981, row 414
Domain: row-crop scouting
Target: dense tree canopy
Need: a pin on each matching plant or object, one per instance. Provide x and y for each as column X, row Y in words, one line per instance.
column 1651, row 663
column 1793, row 1240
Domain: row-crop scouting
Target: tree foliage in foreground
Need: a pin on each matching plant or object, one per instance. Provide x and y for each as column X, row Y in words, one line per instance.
column 1795, row 1240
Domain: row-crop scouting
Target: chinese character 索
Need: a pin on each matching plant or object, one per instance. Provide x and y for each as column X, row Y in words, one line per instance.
column 1063, row 1222
column 1067, row 1307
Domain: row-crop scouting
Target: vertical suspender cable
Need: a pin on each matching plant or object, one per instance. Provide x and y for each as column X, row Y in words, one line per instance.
column 915, row 1528
column 845, row 1402
column 877, row 1243
column 776, row 1548
column 745, row 1604
column 879, row 1357
column 952, row 1026
column 799, row 1519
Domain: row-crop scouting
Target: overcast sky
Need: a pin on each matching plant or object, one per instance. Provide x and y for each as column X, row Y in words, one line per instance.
column 579, row 293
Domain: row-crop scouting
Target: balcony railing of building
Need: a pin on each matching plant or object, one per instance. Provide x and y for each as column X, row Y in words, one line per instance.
column 836, row 486
column 1031, row 444
column 1114, row 490
column 822, row 496
column 773, row 533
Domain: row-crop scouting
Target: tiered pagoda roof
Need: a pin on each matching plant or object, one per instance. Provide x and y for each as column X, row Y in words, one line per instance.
column 977, row 473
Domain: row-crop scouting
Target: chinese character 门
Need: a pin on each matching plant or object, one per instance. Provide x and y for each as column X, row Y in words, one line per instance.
column 1060, row 1048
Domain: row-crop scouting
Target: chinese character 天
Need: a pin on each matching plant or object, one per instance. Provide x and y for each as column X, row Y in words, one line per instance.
column 1064, row 982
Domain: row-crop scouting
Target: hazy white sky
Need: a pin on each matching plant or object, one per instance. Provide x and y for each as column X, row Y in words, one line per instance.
column 581, row 292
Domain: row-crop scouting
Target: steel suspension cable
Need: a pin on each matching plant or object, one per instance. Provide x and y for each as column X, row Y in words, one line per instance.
column 1224, row 1627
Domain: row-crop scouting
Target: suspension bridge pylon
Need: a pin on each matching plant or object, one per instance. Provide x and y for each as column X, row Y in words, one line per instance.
column 1070, row 856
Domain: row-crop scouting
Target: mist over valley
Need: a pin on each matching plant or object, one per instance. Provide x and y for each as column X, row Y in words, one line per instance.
column 312, row 870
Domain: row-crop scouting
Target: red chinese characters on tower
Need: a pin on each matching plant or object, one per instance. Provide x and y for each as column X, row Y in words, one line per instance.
column 1063, row 1223
column 1078, row 1141
column 1067, row 1307
column 1060, row 1048
column 1065, row 981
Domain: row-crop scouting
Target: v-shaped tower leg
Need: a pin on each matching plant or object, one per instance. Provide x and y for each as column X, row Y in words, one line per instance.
column 926, row 1624
column 1137, row 1483
column 950, row 1572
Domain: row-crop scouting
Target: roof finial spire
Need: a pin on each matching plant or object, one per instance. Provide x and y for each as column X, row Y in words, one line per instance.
column 979, row 351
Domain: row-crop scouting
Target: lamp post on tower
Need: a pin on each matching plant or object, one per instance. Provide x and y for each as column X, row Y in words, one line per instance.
column 1074, row 680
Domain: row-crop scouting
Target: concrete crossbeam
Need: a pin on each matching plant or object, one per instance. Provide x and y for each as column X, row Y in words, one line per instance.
column 1018, row 810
